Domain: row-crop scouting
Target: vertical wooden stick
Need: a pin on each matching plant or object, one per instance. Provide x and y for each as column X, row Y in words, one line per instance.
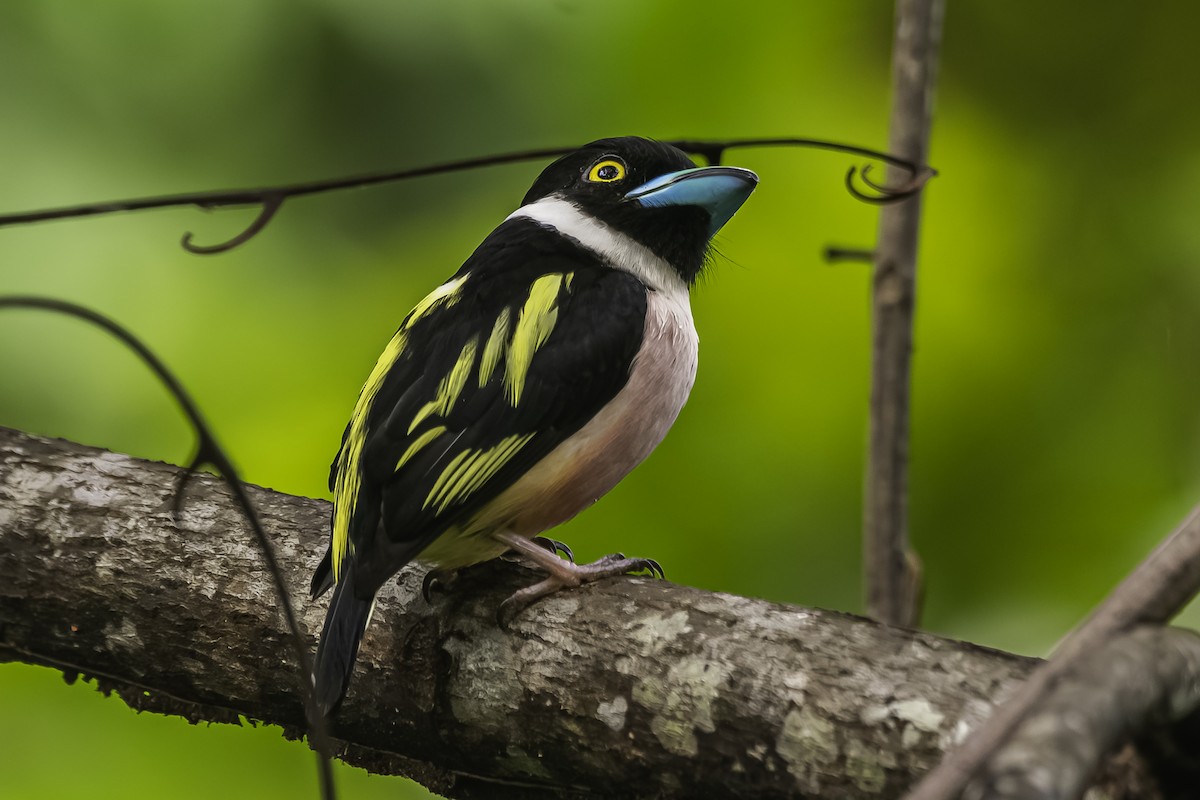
column 892, row 571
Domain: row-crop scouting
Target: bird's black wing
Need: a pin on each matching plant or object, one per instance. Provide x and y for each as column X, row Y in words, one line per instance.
column 486, row 376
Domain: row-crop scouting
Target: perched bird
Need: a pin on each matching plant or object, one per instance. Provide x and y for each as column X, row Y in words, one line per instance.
column 529, row 384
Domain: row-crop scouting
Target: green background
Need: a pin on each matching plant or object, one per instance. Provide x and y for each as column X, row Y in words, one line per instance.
column 1056, row 433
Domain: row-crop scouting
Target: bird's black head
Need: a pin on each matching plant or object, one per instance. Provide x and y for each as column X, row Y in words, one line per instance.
column 650, row 192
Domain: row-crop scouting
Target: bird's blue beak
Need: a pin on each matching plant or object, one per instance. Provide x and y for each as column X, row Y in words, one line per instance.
column 718, row 190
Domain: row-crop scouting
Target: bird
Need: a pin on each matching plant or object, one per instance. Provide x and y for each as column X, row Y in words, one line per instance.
column 525, row 387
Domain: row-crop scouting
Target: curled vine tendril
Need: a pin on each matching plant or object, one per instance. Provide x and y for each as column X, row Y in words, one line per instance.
column 883, row 194
column 269, row 200
column 271, row 204
column 209, row 453
column 877, row 193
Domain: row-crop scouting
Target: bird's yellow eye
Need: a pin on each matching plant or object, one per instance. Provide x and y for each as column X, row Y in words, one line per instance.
column 606, row 170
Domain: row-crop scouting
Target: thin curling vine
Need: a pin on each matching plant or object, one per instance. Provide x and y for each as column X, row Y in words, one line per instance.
column 271, row 199
column 209, row 453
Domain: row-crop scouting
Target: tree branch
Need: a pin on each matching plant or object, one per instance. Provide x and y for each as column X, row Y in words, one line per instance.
column 1149, row 678
column 1153, row 593
column 626, row 688
column 892, row 571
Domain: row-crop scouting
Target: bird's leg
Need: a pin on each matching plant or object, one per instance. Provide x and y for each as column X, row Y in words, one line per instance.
column 444, row 579
column 564, row 574
column 549, row 545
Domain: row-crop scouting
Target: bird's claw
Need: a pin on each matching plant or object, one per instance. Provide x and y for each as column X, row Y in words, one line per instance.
column 654, row 568
column 436, row 580
column 507, row 611
column 633, row 565
column 554, row 546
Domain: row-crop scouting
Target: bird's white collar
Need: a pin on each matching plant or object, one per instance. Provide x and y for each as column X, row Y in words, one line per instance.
column 618, row 250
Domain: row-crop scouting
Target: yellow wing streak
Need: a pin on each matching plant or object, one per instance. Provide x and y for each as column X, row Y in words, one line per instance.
column 419, row 444
column 345, row 488
column 450, row 387
column 447, row 475
column 493, row 462
column 447, row 292
column 455, row 478
column 468, row 471
column 534, row 326
column 493, row 348
column 348, row 482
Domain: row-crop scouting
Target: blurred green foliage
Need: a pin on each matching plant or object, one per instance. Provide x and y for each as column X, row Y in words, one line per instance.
column 1056, row 431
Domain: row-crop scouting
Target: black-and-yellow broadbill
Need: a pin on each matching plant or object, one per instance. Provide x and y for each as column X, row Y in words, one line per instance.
column 526, row 386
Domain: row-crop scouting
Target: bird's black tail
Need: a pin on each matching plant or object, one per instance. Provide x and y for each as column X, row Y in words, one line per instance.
column 344, row 625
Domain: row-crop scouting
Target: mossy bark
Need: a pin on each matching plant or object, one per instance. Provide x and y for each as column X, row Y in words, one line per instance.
column 630, row 687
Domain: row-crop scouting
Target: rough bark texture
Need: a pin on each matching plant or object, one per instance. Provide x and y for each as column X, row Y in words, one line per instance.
column 1146, row 679
column 627, row 688
column 1155, row 591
